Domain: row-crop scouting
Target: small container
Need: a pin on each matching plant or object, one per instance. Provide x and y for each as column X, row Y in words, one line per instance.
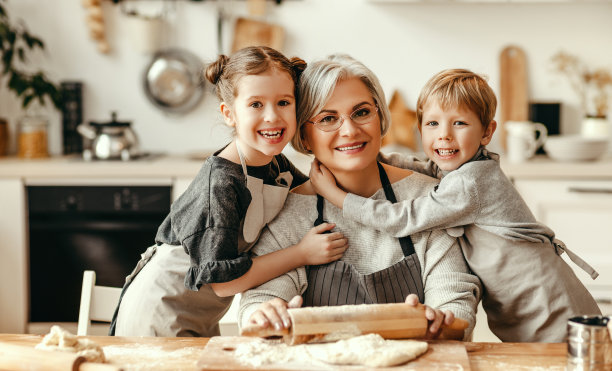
column 3, row 137
column 32, row 137
column 588, row 344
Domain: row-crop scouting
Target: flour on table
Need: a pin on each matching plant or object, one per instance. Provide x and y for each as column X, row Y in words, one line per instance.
column 141, row 357
column 368, row 350
column 62, row 340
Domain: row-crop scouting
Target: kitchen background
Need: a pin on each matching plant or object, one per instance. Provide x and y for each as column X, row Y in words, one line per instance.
column 403, row 42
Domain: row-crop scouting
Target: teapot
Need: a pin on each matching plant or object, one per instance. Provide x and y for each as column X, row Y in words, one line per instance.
column 110, row 140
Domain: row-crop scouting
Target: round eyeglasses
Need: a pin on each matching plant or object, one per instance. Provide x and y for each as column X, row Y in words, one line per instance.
column 365, row 114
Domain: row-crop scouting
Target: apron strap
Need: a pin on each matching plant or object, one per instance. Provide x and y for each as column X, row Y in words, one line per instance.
column 406, row 241
column 560, row 248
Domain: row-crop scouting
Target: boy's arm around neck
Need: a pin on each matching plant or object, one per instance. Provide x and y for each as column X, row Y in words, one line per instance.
column 454, row 202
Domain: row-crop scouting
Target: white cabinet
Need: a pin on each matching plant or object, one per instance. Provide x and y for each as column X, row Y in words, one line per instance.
column 13, row 250
column 580, row 213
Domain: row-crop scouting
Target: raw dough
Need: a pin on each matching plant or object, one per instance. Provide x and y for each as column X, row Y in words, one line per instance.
column 62, row 340
column 368, row 350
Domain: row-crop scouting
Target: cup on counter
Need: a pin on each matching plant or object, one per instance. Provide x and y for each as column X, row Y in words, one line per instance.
column 589, row 346
column 523, row 139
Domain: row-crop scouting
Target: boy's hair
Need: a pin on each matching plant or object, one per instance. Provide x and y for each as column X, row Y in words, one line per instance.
column 459, row 88
column 226, row 71
column 318, row 82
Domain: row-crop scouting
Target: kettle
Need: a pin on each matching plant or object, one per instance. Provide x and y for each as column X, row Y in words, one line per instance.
column 110, row 140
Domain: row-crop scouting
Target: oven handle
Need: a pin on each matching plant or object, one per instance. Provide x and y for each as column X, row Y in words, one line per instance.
column 590, row 190
column 94, row 225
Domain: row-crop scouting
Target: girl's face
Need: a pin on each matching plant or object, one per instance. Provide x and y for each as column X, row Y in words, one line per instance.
column 352, row 147
column 263, row 114
column 452, row 137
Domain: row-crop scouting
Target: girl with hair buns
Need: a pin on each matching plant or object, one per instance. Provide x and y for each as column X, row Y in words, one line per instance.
column 185, row 283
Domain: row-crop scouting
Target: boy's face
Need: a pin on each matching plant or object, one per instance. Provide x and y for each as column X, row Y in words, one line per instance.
column 451, row 137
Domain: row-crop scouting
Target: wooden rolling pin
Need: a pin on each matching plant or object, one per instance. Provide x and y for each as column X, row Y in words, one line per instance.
column 21, row 357
column 391, row 321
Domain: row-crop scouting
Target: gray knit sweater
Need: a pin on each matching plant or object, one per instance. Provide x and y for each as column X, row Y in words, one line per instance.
column 447, row 282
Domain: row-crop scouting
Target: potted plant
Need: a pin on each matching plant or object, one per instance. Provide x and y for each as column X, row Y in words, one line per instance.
column 16, row 42
column 593, row 89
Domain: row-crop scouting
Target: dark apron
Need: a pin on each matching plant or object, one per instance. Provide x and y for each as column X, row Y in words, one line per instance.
column 339, row 283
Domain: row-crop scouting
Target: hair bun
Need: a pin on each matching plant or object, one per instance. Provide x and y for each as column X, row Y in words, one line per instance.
column 215, row 69
column 298, row 65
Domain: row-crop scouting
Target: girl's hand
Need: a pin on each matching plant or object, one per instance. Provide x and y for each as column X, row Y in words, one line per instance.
column 274, row 313
column 324, row 183
column 436, row 318
column 318, row 247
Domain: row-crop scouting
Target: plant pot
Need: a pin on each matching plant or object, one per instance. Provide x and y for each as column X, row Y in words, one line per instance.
column 595, row 127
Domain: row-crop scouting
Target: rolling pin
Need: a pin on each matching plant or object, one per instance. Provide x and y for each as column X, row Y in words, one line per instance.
column 21, row 357
column 391, row 321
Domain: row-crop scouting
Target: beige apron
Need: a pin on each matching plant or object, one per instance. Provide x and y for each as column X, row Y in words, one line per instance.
column 157, row 302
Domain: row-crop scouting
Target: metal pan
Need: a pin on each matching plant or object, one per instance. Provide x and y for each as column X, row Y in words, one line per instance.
column 173, row 80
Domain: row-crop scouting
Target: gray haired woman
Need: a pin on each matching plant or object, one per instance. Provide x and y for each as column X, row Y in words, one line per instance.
column 342, row 116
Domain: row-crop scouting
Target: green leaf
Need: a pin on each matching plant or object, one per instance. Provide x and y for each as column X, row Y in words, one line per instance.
column 26, row 101
column 18, row 83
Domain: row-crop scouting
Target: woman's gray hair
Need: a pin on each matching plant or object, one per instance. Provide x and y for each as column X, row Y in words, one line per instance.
column 317, row 83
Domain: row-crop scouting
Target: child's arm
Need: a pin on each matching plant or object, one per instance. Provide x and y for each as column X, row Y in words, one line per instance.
column 316, row 247
column 413, row 163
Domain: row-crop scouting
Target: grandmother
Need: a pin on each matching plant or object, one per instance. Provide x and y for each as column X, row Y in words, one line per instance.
column 342, row 116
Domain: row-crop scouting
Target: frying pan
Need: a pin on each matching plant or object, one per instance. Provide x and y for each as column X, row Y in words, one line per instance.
column 173, row 80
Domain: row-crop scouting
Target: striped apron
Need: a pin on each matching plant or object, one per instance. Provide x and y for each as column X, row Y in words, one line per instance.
column 339, row 283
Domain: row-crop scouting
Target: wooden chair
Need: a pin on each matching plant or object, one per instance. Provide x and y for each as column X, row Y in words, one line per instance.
column 98, row 303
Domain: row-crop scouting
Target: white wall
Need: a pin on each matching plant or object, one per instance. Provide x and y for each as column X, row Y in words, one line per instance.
column 403, row 43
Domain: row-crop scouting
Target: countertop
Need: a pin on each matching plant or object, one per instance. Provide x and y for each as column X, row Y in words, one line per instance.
column 187, row 166
column 183, row 353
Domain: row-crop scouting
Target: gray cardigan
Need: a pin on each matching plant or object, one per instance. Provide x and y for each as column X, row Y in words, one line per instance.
column 529, row 290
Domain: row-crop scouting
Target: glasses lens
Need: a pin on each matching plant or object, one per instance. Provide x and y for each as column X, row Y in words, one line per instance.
column 363, row 115
column 327, row 123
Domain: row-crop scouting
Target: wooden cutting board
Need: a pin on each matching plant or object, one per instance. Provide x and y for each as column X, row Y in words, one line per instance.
column 250, row 32
column 513, row 95
column 441, row 355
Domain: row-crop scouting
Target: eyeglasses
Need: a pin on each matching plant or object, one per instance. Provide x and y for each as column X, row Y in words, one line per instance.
column 332, row 121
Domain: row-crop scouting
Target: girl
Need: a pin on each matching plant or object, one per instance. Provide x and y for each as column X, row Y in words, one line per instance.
column 184, row 284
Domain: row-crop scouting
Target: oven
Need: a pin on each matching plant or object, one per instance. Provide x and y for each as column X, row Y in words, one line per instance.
column 77, row 228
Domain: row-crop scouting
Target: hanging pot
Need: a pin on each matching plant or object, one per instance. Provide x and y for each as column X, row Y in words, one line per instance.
column 173, row 80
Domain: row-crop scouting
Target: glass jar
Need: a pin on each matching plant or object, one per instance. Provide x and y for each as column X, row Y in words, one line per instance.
column 32, row 137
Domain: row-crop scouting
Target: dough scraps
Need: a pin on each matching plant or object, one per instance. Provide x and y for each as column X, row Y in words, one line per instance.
column 59, row 339
column 368, row 350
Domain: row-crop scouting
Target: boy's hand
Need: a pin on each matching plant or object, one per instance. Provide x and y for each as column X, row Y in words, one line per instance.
column 324, row 183
column 435, row 317
column 274, row 313
column 319, row 247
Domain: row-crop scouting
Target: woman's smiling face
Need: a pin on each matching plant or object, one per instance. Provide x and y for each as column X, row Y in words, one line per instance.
column 352, row 147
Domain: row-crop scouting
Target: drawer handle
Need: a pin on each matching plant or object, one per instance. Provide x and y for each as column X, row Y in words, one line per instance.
column 590, row 190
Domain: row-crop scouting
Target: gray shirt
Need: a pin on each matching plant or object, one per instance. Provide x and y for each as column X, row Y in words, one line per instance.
column 447, row 282
column 529, row 291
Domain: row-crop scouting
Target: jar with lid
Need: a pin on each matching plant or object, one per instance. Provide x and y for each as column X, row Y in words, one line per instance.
column 32, row 137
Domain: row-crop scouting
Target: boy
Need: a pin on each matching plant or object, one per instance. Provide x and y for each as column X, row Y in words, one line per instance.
column 529, row 290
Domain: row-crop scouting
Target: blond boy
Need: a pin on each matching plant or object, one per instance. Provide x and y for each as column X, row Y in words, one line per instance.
column 529, row 290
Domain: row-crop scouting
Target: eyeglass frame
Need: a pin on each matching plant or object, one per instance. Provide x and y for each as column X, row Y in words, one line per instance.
column 342, row 117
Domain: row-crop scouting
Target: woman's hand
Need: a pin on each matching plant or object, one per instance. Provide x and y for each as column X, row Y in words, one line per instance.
column 319, row 246
column 324, row 183
column 436, row 318
column 274, row 313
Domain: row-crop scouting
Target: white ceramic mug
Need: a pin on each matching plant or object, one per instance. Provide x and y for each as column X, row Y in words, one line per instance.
column 522, row 141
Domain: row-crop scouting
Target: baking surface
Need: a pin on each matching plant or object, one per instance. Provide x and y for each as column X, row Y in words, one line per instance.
column 441, row 355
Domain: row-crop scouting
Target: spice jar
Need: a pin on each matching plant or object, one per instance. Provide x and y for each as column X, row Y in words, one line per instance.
column 3, row 136
column 32, row 137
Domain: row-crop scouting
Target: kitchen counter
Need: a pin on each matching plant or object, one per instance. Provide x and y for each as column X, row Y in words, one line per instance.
column 482, row 356
column 186, row 166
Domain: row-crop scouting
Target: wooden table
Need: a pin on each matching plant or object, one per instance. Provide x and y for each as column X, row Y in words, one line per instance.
column 184, row 352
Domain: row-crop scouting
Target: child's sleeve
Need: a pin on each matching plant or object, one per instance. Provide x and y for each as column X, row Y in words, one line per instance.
column 454, row 202
column 410, row 162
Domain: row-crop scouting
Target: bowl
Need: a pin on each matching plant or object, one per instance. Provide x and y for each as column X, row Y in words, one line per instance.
column 575, row 147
